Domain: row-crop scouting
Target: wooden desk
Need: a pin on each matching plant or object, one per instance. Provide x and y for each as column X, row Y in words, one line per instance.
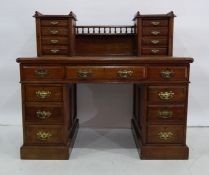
column 49, row 102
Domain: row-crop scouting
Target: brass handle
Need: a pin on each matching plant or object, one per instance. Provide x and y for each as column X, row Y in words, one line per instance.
column 155, row 23
column 125, row 73
column 165, row 114
column 155, row 50
column 155, row 41
column 54, row 41
column 155, row 33
column 167, row 74
column 54, row 32
column 43, row 94
column 54, row 50
column 44, row 136
column 165, row 135
column 54, row 22
column 166, row 95
column 43, row 114
column 41, row 73
column 84, row 73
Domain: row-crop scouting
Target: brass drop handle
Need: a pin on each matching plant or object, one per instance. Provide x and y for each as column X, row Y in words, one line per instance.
column 43, row 94
column 54, row 22
column 155, row 23
column 167, row 95
column 41, row 73
column 43, row 136
column 54, row 51
column 165, row 114
column 155, row 41
column 43, row 114
column 54, row 41
column 125, row 73
column 165, row 135
column 155, row 33
column 167, row 73
column 155, row 51
column 84, row 73
column 54, row 32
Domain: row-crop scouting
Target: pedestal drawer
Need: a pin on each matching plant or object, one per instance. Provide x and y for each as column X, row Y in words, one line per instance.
column 55, row 50
column 157, row 41
column 154, row 51
column 54, row 31
column 167, row 94
column 155, row 22
column 54, row 22
column 44, row 134
column 154, row 31
column 43, row 93
column 55, row 40
column 166, row 134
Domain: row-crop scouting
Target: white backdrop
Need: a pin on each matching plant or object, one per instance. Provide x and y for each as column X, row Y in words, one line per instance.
column 191, row 38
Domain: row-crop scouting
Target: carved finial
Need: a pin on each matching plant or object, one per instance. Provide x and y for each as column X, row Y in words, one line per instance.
column 136, row 15
column 171, row 13
column 37, row 14
column 73, row 15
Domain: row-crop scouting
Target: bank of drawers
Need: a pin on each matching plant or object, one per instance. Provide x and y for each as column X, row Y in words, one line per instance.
column 155, row 36
column 54, row 36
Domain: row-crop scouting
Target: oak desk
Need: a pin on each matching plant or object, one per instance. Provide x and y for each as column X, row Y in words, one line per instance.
column 49, row 102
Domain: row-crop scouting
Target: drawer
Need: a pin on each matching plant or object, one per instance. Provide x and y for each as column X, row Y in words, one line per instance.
column 166, row 114
column 106, row 73
column 54, row 40
column 159, row 134
column 44, row 113
column 167, row 94
column 155, row 31
column 154, row 51
column 154, row 41
column 55, row 50
column 42, row 73
column 52, row 31
column 54, row 22
column 43, row 93
column 44, row 134
column 155, row 22
column 173, row 73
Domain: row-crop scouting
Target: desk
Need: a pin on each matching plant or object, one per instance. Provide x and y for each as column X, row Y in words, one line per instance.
column 160, row 92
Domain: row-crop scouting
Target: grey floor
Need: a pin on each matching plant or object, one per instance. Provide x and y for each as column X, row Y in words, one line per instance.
column 103, row 151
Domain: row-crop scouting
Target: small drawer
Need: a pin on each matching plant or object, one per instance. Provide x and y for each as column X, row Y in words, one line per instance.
column 44, row 134
column 43, row 93
column 167, row 94
column 42, row 73
column 54, row 22
column 173, row 73
column 154, row 41
column 44, row 113
column 154, row 51
column 166, row 114
column 155, row 31
column 159, row 134
column 54, row 40
column 155, row 22
column 84, row 73
column 55, row 50
column 54, row 31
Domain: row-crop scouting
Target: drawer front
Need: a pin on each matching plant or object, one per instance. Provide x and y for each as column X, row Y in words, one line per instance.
column 55, row 50
column 106, row 73
column 155, row 31
column 54, row 40
column 166, row 134
column 54, row 31
column 154, row 51
column 44, row 113
column 54, row 22
column 155, row 22
column 167, row 73
column 167, row 94
column 44, row 134
column 166, row 114
column 155, row 41
column 43, row 93
column 42, row 72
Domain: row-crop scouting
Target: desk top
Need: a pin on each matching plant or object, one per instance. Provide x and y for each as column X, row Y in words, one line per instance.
column 105, row 60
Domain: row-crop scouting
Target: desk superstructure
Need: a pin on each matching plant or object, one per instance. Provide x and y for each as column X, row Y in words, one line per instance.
column 139, row 54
